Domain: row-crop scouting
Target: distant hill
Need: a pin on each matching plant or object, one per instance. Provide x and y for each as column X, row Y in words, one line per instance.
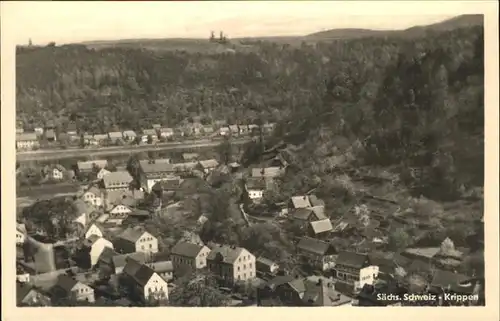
column 417, row 31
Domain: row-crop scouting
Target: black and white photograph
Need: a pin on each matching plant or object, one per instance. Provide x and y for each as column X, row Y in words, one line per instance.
column 221, row 154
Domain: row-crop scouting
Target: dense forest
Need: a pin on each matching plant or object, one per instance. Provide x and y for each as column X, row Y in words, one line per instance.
column 414, row 103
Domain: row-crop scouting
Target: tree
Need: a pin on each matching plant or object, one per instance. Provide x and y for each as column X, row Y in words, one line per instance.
column 150, row 139
column 198, row 290
column 225, row 151
column 399, row 239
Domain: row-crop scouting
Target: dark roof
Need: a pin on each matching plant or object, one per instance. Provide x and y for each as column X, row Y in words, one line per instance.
column 26, row 137
column 107, row 255
column 315, row 246
column 444, row 279
column 302, row 213
column 65, row 283
column 256, row 183
column 131, row 234
column 279, row 280
column 352, row 259
column 159, row 165
column 300, row 201
column 225, row 253
column 22, row 291
column 161, row 267
column 140, row 273
column 322, row 293
column 120, row 260
column 187, row 249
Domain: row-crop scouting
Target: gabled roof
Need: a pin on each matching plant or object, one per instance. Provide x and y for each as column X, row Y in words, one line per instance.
column 99, row 226
column 301, row 201
column 315, row 246
column 138, row 272
column 131, row 234
column 446, row 279
column 187, row 249
column 279, row 280
column 321, row 226
column 302, row 213
column 23, row 137
column 94, row 190
column 22, row 290
column 161, row 267
column 315, row 201
column 115, row 135
column 129, row 133
column 319, row 212
column 50, row 133
column 91, row 240
column 352, row 259
column 101, row 136
column 81, row 207
column 65, row 283
column 234, row 128
column 155, row 126
column 120, row 260
column 151, row 132
column 256, row 183
column 322, row 293
column 107, row 255
column 117, row 178
column 270, row 172
column 88, row 165
column 224, row 253
column 264, row 261
column 156, row 166
column 190, row 156
column 426, row 252
column 167, row 130
column 209, row 163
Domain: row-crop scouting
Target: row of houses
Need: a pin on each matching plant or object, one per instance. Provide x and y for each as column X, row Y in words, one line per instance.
column 31, row 140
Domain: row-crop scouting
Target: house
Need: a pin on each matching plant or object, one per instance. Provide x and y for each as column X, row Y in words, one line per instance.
column 456, row 283
column 320, row 228
column 115, row 136
column 71, row 129
column 156, row 126
column 187, row 157
column 224, row 131
column 136, row 240
column 38, row 131
column 166, row 132
column 90, row 140
column 300, row 202
column 267, row 172
column 312, row 291
column 308, row 214
column 129, row 135
column 355, row 270
column 83, row 212
column 266, row 266
column 317, row 253
column 27, row 295
column 93, row 229
column 186, row 255
column 208, row 165
column 93, row 196
column 101, row 138
column 120, row 260
column 255, row 188
column 208, row 130
column 231, row 264
column 269, row 127
column 234, row 130
column 154, row 171
column 145, row 282
column 54, row 172
column 19, row 130
column 71, row 289
column 102, row 172
column 194, row 129
column 165, row 269
column 20, row 233
column 115, row 181
column 50, row 135
column 253, row 129
column 120, row 211
column 96, row 245
column 146, row 133
column 185, row 168
column 27, row 141
column 88, row 166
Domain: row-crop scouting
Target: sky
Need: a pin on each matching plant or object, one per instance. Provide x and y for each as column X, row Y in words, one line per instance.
column 67, row 22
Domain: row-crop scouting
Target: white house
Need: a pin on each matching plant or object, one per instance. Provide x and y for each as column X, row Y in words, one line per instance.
column 96, row 244
column 136, row 240
column 355, row 269
column 67, row 287
column 93, row 196
column 255, row 188
column 20, row 233
column 102, row 172
column 224, row 131
column 93, row 229
column 145, row 281
column 120, row 210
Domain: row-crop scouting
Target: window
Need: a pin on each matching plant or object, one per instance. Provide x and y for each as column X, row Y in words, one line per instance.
column 244, row 275
column 239, row 277
column 250, row 265
column 150, row 246
column 238, row 268
column 142, row 247
column 244, row 266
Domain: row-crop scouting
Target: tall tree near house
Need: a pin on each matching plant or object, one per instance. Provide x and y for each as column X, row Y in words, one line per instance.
column 198, row 290
column 82, row 143
column 225, row 151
